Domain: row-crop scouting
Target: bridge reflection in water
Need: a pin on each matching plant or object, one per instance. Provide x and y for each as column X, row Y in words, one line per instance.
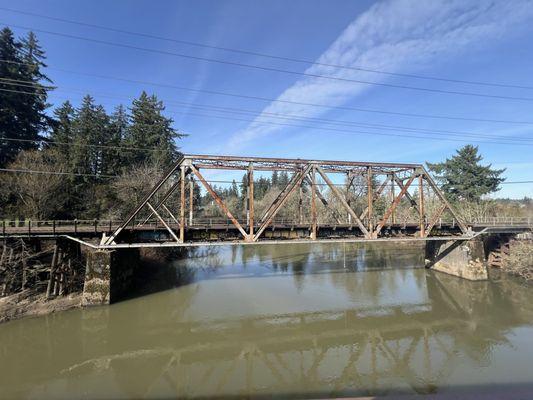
column 318, row 321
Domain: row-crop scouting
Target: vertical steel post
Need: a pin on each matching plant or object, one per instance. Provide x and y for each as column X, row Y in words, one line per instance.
column 251, row 201
column 421, row 205
column 191, row 200
column 370, row 196
column 182, row 204
column 247, row 200
column 392, row 197
column 313, row 203
column 348, row 197
column 300, row 204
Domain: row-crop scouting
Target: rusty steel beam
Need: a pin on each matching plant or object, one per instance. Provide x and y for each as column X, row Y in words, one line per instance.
column 145, row 200
column 343, row 202
column 164, row 223
column 349, row 180
column 325, row 203
column 421, row 211
column 434, row 220
column 438, row 192
column 393, row 205
column 165, row 197
column 313, row 204
column 300, row 204
column 182, row 204
column 171, row 214
column 299, row 162
column 293, row 183
column 219, row 201
column 251, row 201
column 191, row 200
column 413, row 202
column 370, row 200
column 376, row 196
column 392, row 178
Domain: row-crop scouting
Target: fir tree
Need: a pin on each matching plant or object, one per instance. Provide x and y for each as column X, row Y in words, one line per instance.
column 10, row 70
column 234, row 190
column 275, row 179
column 150, row 129
column 115, row 158
column 62, row 133
column 244, row 186
column 23, row 97
column 464, row 178
column 283, row 179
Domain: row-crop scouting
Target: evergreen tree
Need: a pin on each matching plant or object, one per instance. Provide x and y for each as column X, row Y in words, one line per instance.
column 9, row 127
column 150, row 129
column 24, row 103
column 115, row 158
column 10, row 102
column 283, row 179
column 23, row 97
column 463, row 177
column 84, row 136
column 275, row 179
column 62, row 133
column 234, row 190
column 244, row 185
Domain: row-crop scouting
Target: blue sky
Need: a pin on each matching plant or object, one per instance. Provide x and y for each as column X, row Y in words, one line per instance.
column 487, row 41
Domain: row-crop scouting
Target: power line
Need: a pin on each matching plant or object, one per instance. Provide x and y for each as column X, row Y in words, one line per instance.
column 266, row 99
column 47, row 141
column 336, row 122
column 270, row 69
column 32, row 171
column 271, row 56
column 353, row 133
column 338, row 131
column 10, row 81
column 348, row 123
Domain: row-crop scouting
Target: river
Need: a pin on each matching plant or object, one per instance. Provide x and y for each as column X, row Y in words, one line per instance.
column 298, row 320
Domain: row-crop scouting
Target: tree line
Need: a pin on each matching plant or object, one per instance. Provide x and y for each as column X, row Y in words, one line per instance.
column 78, row 148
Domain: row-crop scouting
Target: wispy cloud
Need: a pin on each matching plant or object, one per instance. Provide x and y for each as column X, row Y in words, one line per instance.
column 396, row 36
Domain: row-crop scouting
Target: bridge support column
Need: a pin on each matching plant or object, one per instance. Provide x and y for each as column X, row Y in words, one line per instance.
column 108, row 275
column 461, row 258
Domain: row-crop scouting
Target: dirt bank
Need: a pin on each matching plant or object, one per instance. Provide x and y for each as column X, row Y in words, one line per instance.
column 30, row 303
column 519, row 259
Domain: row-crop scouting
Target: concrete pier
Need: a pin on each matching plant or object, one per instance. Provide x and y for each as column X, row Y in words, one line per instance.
column 462, row 258
column 108, row 275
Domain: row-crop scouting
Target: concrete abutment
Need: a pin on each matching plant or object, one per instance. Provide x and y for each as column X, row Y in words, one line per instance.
column 461, row 258
column 109, row 275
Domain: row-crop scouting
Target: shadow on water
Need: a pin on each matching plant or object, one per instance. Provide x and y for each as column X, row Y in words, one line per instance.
column 167, row 269
column 302, row 322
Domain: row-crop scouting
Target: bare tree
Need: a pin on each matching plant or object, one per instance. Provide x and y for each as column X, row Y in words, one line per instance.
column 37, row 184
column 133, row 185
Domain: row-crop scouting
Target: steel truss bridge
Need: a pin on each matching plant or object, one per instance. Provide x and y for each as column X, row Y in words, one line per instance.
column 322, row 200
column 373, row 177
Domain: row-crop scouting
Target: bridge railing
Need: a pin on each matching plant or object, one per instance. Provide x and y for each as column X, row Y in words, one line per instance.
column 502, row 220
column 108, row 225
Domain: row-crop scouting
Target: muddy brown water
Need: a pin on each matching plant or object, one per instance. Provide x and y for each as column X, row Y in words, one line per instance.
column 291, row 320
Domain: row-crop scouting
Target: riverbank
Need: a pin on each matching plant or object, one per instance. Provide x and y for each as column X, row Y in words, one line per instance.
column 519, row 260
column 30, row 303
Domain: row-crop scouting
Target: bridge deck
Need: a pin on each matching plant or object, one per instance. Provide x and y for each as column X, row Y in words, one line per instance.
column 154, row 234
column 100, row 227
